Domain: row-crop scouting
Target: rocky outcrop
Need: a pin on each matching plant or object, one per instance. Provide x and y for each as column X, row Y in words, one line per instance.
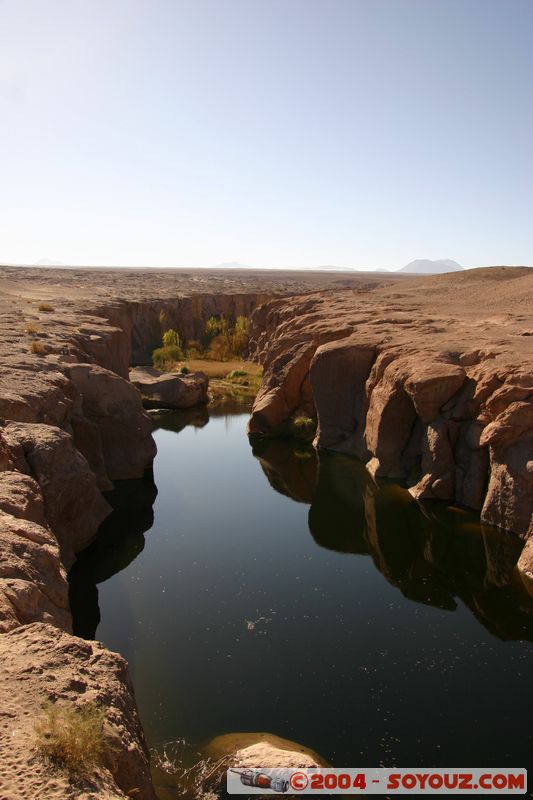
column 50, row 665
column 71, row 424
column 169, row 390
column 119, row 428
column 408, row 391
column 72, row 504
column 33, row 584
column 252, row 751
column 247, row 750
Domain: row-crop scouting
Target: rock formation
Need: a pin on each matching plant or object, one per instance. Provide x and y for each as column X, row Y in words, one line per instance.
column 169, row 390
column 429, row 382
column 72, row 424
column 426, row 380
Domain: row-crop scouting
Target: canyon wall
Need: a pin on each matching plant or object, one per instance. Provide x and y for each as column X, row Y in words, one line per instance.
column 71, row 424
column 430, row 385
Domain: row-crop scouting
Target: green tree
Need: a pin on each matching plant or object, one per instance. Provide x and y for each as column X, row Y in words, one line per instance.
column 171, row 338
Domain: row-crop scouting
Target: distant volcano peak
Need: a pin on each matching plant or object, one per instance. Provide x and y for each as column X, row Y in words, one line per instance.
column 425, row 266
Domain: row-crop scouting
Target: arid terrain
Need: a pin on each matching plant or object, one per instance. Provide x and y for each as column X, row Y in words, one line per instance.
column 427, row 380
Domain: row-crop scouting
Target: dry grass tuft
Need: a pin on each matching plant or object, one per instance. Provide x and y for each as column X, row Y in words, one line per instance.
column 72, row 737
column 32, row 327
column 38, row 348
column 45, row 307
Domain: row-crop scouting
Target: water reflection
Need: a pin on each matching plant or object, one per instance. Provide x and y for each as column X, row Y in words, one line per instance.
column 120, row 540
column 366, row 643
column 434, row 554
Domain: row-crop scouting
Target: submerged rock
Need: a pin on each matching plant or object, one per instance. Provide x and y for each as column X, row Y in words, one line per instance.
column 168, row 390
column 262, row 750
column 252, row 751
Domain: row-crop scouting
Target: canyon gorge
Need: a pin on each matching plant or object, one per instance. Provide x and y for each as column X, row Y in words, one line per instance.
column 426, row 381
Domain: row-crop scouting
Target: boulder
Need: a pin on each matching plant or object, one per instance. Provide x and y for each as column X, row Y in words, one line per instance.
column 114, row 406
column 246, row 748
column 253, row 750
column 169, row 390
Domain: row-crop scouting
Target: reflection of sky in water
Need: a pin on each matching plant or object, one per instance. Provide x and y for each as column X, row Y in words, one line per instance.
column 338, row 658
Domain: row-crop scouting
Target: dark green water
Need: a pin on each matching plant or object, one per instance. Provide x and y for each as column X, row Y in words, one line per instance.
column 271, row 592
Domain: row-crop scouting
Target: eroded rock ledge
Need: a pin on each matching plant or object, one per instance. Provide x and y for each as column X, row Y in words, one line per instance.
column 429, row 382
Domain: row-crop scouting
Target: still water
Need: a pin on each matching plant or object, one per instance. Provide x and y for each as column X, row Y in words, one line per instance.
column 265, row 590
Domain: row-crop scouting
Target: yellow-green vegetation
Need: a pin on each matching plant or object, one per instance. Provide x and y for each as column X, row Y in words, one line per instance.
column 72, row 737
column 171, row 338
column 303, row 427
column 225, row 341
column 219, row 354
column 222, row 341
column 38, row 348
column 166, row 358
column 45, row 307
column 244, row 380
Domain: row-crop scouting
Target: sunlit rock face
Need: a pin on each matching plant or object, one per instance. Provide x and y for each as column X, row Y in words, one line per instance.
column 413, row 380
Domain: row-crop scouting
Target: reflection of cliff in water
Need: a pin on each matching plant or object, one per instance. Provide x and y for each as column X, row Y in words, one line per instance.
column 119, row 541
column 433, row 554
column 120, row 538
column 198, row 416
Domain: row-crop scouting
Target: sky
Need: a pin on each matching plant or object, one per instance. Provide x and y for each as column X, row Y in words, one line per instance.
column 276, row 133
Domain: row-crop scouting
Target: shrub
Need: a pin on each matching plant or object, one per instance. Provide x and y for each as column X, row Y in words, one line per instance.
column 224, row 339
column 216, row 326
column 194, row 349
column 72, row 736
column 184, row 370
column 218, row 349
column 303, row 427
column 32, row 327
column 164, row 357
column 45, row 307
column 171, row 338
column 38, row 348
column 303, row 422
column 240, row 337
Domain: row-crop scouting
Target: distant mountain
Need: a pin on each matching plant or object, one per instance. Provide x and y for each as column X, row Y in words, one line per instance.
column 425, row 266
column 232, row 265
column 48, row 262
column 332, row 268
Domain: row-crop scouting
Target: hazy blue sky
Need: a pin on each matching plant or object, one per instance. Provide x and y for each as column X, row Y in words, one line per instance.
column 272, row 132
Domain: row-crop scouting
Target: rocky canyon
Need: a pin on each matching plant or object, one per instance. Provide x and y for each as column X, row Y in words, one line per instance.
column 426, row 381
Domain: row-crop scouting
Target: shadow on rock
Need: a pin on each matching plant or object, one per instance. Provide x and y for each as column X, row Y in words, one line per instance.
column 119, row 541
